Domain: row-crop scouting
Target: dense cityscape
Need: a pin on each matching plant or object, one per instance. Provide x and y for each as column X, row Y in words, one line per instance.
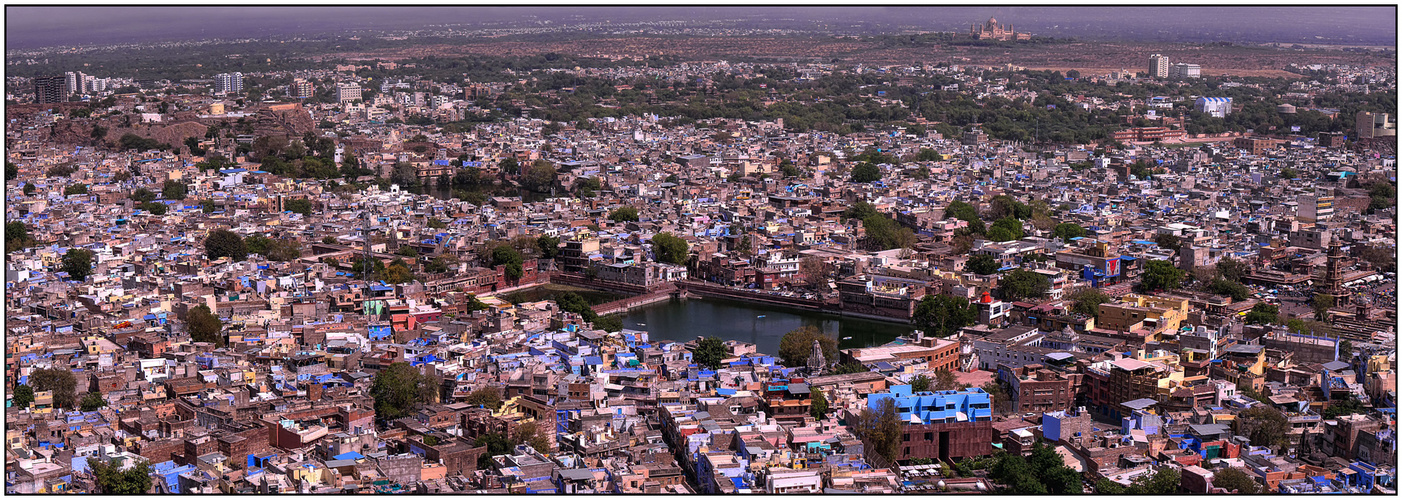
column 615, row 262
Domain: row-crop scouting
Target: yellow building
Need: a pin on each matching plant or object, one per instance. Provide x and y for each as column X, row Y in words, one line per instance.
column 1143, row 313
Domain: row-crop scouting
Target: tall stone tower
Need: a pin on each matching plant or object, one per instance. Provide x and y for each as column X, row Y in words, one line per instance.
column 816, row 362
column 1334, row 273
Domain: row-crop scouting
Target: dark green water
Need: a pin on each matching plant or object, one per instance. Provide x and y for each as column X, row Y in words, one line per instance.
column 686, row 319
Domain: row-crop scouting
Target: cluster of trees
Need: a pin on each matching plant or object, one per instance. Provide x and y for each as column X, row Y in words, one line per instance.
column 77, row 262
column 669, row 248
column 225, row 243
column 17, row 236
column 881, row 231
column 1164, row 481
column 944, row 315
column 624, row 214
column 111, row 480
column 1160, row 275
column 60, row 381
column 204, row 326
column 709, row 352
column 309, row 157
column 1042, row 473
column 133, row 142
column 880, row 428
column 399, row 388
column 797, row 345
column 281, row 249
column 1022, row 284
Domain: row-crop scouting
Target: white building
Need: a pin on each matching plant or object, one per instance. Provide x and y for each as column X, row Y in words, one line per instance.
column 1158, row 66
column 347, row 92
column 1184, row 70
column 228, row 83
column 1217, row 107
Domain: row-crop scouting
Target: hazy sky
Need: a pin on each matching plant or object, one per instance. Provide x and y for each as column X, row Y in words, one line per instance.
column 28, row 27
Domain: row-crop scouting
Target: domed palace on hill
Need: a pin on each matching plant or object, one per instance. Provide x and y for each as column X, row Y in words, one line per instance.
column 991, row 30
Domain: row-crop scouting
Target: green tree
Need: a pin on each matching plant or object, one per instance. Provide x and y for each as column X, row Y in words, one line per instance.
column 886, row 234
column 225, row 243
column 486, row 397
column 944, row 315
column 860, row 211
column 1263, row 314
column 819, row 406
column 368, row 269
column 624, row 214
column 1161, row 275
column 77, row 263
column 1229, row 288
column 1022, row 284
column 1068, row 230
column 17, row 236
column 709, row 352
column 207, row 206
column 540, row 176
column 509, row 166
column 920, row 383
column 981, row 264
column 530, row 434
column 58, row 380
column 24, row 396
column 407, row 251
column 610, row 323
column 1088, row 302
column 155, row 207
column 866, row 172
column 1345, row 349
column 398, row 272
column 405, row 175
column 504, row 255
column 29, row 189
column 257, row 244
column 967, row 213
column 205, row 326
column 945, row 380
column 549, row 246
column 496, row 445
column 434, row 223
column 440, row 264
column 1235, row 480
column 1233, row 269
column 284, row 250
column 92, row 401
column 1264, row 425
column 174, row 190
column 1000, row 234
column 398, row 388
column 880, row 428
column 797, row 345
column 11, row 171
column 1168, row 241
column 113, row 481
column 669, row 248
column 143, row 195
column 78, row 188
column 573, row 302
column 1322, row 303
column 298, row 205
column 1011, row 224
